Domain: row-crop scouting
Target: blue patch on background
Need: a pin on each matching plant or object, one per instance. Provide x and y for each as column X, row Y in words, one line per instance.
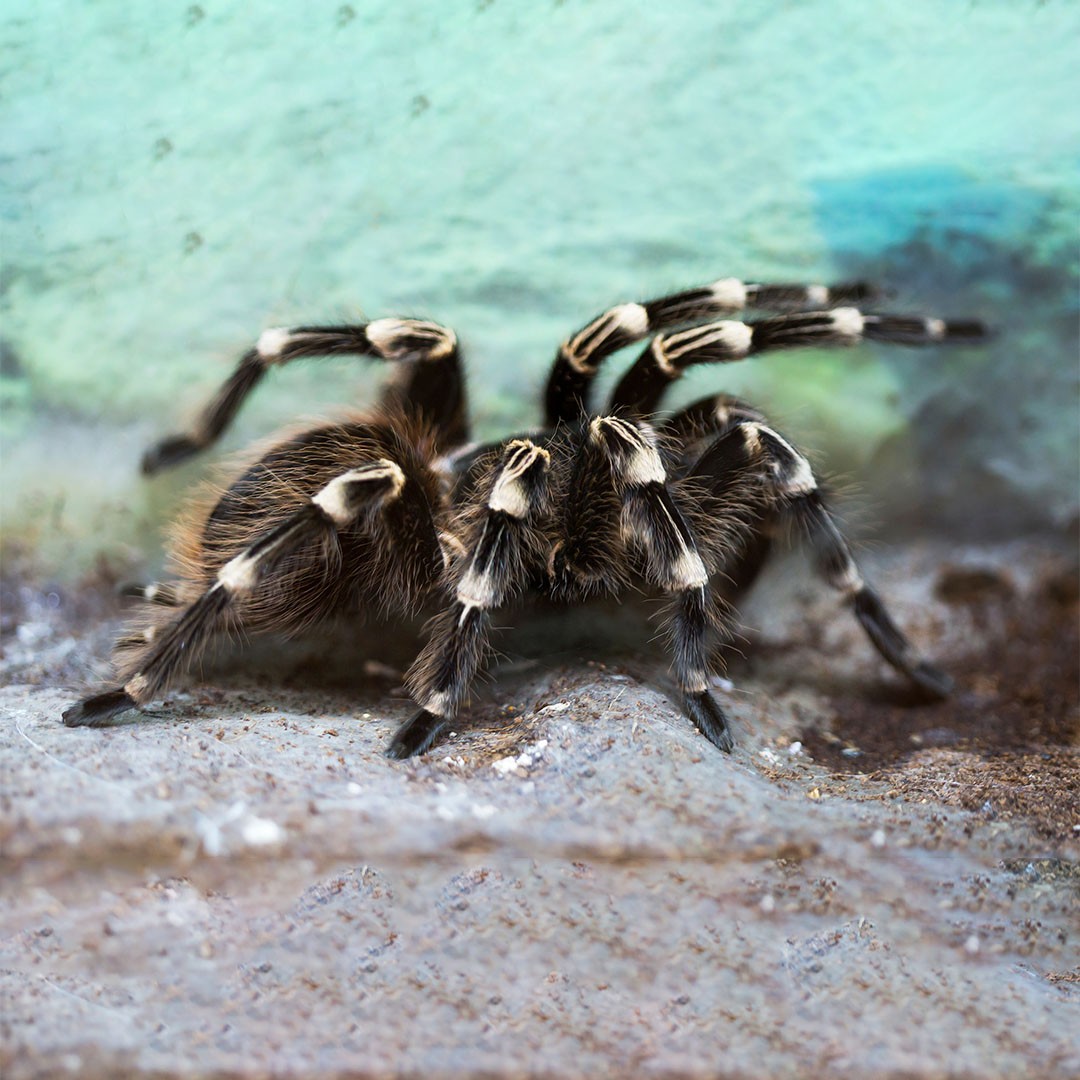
column 873, row 212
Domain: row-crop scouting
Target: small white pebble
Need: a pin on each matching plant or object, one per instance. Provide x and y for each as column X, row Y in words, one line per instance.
column 558, row 706
column 484, row 811
column 259, row 832
column 768, row 904
column 524, row 761
column 877, row 839
column 505, row 765
column 353, row 788
column 210, row 837
column 972, row 944
column 770, row 756
column 795, row 749
column 444, row 812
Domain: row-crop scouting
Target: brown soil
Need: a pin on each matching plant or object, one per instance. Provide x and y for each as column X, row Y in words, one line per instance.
column 1005, row 741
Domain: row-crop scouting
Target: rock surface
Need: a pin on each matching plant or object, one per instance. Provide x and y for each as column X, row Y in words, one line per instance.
column 240, row 884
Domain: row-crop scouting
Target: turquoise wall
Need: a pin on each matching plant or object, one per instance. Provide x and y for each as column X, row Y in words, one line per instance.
column 177, row 177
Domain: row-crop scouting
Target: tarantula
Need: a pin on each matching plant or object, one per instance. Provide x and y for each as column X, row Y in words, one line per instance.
column 392, row 509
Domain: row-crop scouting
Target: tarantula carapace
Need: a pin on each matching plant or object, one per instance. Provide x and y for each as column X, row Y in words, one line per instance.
column 393, row 509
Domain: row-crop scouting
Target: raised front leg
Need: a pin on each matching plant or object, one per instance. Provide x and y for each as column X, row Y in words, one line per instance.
column 432, row 386
column 580, row 355
column 642, row 388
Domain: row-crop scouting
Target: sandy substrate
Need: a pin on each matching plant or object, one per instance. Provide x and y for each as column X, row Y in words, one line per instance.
column 238, row 883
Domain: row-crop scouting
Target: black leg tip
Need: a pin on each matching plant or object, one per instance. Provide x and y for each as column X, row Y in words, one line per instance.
column 894, row 647
column 416, row 736
column 963, row 331
column 167, row 453
column 98, row 710
column 709, row 719
column 932, row 680
column 858, row 292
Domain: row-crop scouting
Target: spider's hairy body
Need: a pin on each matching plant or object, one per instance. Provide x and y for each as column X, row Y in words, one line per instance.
column 391, row 510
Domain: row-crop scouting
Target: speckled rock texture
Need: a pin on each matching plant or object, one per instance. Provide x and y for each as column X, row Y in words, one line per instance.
column 238, row 883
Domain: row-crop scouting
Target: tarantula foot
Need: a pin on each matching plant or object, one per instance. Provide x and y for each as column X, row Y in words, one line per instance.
column 416, row 736
column 933, row 681
column 98, row 710
column 169, row 452
column 894, row 647
column 709, row 719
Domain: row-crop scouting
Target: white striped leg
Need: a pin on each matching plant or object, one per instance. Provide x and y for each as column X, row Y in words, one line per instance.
column 835, row 563
column 641, row 389
column 708, row 418
column 174, row 647
column 794, row 492
column 162, row 593
column 438, row 395
column 499, row 557
column 653, row 522
column 580, row 356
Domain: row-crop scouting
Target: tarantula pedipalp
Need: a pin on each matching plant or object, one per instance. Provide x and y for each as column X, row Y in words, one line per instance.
column 393, row 510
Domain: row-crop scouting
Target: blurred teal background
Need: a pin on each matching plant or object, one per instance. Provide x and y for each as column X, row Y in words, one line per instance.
column 177, row 177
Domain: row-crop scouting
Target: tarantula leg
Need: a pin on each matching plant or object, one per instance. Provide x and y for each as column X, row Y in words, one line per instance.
column 653, row 521
column 707, row 418
column 837, row 566
column 746, row 528
column 580, row 356
column 691, row 427
column 433, row 387
column 171, row 649
column 640, row 390
column 793, row 492
column 499, row 556
column 586, row 560
column 162, row 593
